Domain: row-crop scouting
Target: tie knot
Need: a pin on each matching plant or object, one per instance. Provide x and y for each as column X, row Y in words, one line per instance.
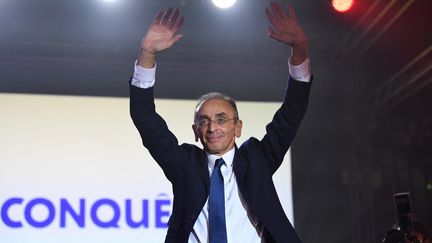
column 219, row 163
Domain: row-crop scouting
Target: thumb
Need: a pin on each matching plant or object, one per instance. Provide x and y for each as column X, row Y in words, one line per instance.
column 177, row 37
column 271, row 33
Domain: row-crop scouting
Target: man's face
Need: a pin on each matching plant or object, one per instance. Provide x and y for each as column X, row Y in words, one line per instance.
column 216, row 127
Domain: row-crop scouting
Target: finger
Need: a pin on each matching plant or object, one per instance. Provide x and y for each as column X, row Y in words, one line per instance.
column 275, row 37
column 271, row 32
column 174, row 18
column 173, row 40
column 292, row 13
column 167, row 16
column 278, row 10
column 177, row 38
column 270, row 17
column 179, row 24
column 158, row 18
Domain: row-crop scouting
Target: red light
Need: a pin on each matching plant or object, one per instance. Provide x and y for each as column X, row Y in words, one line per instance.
column 342, row 5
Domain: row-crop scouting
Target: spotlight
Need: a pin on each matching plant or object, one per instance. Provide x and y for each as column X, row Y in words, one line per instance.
column 224, row 3
column 342, row 5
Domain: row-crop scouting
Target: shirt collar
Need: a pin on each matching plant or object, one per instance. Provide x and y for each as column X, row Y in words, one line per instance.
column 228, row 157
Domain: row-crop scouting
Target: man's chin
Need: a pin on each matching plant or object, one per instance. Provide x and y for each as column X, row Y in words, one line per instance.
column 212, row 150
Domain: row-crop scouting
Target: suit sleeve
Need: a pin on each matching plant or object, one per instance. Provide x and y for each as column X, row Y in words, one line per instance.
column 281, row 131
column 154, row 132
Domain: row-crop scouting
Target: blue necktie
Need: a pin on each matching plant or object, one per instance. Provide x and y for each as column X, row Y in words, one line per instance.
column 217, row 205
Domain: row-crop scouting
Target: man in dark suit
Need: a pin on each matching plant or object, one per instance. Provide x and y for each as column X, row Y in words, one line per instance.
column 222, row 193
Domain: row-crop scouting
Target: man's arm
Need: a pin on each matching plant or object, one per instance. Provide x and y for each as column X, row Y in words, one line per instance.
column 162, row 35
column 156, row 137
column 281, row 131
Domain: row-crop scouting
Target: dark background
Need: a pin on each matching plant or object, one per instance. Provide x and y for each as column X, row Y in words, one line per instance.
column 368, row 131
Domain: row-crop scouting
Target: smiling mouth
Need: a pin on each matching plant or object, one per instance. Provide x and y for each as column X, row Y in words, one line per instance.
column 213, row 139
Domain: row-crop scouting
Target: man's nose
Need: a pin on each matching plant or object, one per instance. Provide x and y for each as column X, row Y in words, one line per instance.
column 212, row 126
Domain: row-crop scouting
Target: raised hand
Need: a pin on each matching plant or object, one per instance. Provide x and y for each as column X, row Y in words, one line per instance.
column 161, row 35
column 285, row 28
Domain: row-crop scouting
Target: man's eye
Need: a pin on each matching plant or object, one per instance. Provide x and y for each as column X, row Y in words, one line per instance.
column 221, row 120
column 203, row 122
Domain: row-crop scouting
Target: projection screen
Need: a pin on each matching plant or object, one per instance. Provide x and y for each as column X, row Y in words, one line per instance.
column 73, row 168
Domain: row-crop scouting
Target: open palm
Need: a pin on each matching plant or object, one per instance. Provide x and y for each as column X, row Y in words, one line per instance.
column 285, row 28
column 162, row 34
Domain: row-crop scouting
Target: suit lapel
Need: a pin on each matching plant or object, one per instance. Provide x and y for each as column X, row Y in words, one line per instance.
column 240, row 167
column 204, row 172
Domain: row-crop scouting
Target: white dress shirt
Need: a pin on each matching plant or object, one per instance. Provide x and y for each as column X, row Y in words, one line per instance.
column 240, row 226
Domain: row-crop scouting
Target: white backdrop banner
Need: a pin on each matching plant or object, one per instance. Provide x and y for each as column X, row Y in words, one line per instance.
column 72, row 169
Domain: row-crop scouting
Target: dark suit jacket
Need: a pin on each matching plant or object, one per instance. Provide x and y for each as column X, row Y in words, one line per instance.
column 254, row 164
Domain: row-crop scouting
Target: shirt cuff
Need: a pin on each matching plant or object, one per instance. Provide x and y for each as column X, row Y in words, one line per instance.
column 143, row 77
column 301, row 72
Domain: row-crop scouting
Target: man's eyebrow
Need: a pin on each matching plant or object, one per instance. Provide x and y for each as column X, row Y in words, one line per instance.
column 222, row 114
column 218, row 115
column 203, row 117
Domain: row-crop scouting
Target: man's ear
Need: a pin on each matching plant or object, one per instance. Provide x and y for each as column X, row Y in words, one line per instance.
column 239, row 126
column 195, row 130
